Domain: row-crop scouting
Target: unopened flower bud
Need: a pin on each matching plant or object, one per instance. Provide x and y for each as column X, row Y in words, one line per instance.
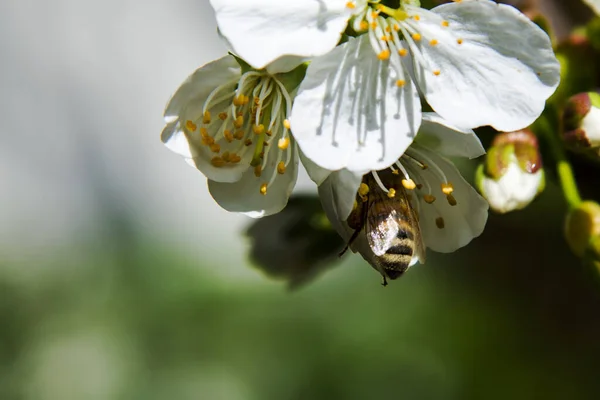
column 512, row 175
column 582, row 227
column 581, row 122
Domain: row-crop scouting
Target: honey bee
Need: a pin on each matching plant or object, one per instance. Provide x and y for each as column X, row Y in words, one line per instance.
column 390, row 223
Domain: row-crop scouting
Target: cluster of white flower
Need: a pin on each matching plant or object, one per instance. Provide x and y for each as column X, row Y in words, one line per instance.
column 340, row 85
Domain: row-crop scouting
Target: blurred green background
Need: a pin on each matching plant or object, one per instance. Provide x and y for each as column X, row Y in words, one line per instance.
column 121, row 279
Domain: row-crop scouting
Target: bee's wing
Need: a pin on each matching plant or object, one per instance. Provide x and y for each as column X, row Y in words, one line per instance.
column 382, row 222
column 418, row 238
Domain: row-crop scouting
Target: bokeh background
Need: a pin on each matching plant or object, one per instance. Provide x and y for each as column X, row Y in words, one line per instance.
column 120, row 278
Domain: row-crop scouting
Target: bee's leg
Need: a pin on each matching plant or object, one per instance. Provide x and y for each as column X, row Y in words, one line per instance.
column 352, row 239
column 384, row 283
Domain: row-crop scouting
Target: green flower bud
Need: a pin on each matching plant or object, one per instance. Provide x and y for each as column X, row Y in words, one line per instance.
column 581, row 121
column 512, row 174
column 582, row 227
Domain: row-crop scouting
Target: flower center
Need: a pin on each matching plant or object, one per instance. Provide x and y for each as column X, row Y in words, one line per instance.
column 418, row 172
column 393, row 32
column 245, row 121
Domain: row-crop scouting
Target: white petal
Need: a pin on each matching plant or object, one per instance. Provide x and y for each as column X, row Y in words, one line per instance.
column 349, row 112
column 500, row 75
column 462, row 222
column 440, row 136
column 316, row 173
column 188, row 101
column 261, row 31
column 244, row 196
column 594, row 4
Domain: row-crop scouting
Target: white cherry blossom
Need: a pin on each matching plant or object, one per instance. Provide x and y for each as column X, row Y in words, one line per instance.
column 594, row 4
column 450, row 212
column 232, row 126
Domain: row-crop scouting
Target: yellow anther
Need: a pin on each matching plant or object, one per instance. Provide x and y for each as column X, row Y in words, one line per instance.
column 391, row 193
column 239, row 113
column 374, row 25
column 286, row 124
column 215, row 147
column 459, row 41
column 238, row 135
column 395, row 172
column 206, row 117
column 384, row 38
column 263, row 189
column 439, row 222
column 388, row 29
column 350, row 4
column 234, row 158
column 217, row 161
column 433, row 42
column 257, row 171
column 429, row 198
column 384, row 55
column 447, row 188
column 416, row 36
column 190, row 125
column 248, row 142
column 445, row 23
column 256, row 100
column 258, row 129
column 363, row 189
column 400, row 82
column 402, row 52
column 416, row 18
column 222, row 116
column 283, row 143
column 228, row 135
column 204, row 132
column 396, row 27
column 409, row 184
column 208, row 140
column 226, row 156
column 374, row 14
column 437, row 72
column 238, row 100
column 239, row 121
column 364, row 25
column 451, row 200
column 281, row 167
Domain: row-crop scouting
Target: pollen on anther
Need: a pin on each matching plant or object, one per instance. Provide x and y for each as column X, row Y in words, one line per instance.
column 439, row 222
column 400, row 82
column 258, row 129
column 363, row 189
column 437, row 72
column 429, row 198
column 396, row 172
column 384, row 55
column 281, row 167
column 215, row 147
column 416, row 18
column 239, row 121
column 350, row 4
column 364, row 25
column 206, row 117
column 445, row 23
column 248, row 142
column 402, row 52
column 226, row 156
column 234, row 158
column 208, row 140
column 228, row 135
column 283, row 143
column 374, row 25
column 217, row 161
column 409, row 184
column 451, row 200
column 447, row 188
column 263, row 189
column 257, row 171
column 204, row 132
column 286, row 124
column 433, row 42
column 190, row 125
column 391, row 193
column 238, row 135
column 416, row 36
column 396, row 27
column 459, row 41
column 222, row 116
